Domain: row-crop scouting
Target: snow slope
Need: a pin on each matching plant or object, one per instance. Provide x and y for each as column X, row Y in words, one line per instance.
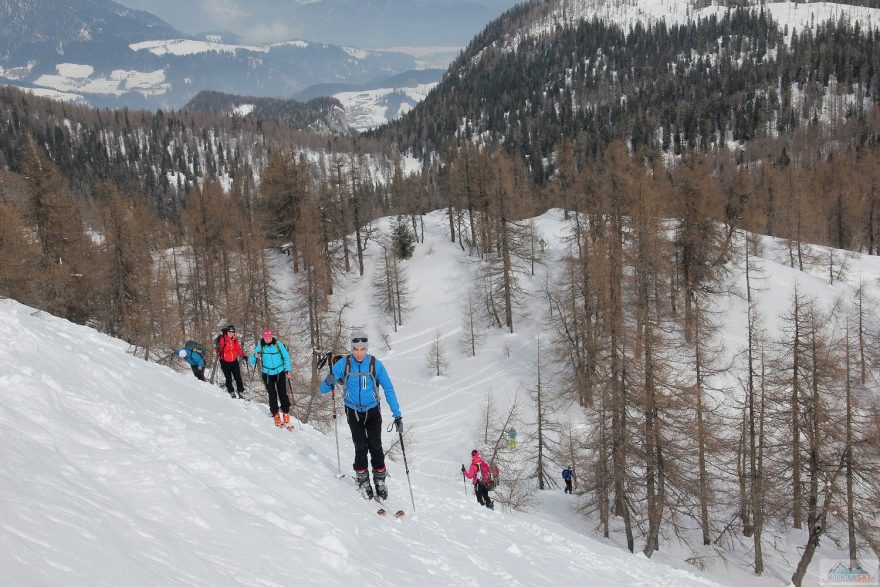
column 120, row 472
column 115, row 471
column 368, row 109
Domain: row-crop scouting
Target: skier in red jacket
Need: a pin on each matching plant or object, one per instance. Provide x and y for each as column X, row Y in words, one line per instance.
column 228, row 351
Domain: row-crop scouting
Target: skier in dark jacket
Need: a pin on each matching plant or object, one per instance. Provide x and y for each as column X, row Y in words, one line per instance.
column 567, row 476
column 195, row 360
column 229, row 351
column 361, row 392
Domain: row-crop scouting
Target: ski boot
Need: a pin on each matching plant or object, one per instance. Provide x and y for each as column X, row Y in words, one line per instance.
column 363, row 483
column 278, row 419
column 379, row 480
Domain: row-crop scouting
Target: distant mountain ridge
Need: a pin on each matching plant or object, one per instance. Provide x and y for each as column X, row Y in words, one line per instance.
column 365, row 23
column 103, row 54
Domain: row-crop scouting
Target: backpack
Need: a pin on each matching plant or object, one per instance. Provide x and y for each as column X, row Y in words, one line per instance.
column 217, row 341
column 195, row 347
column 488, row 482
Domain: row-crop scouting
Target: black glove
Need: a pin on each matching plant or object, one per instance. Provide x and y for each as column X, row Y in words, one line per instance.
column 398, row 423
column 462, row 469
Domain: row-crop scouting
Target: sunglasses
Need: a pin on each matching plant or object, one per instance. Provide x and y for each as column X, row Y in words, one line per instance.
column 354, row 340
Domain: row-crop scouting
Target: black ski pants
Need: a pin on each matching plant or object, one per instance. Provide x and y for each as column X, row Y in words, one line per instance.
column 567, row 485
column 276, row 385
column 199, row 372
column 231, row 370
column 482, row 494
column 366, row 433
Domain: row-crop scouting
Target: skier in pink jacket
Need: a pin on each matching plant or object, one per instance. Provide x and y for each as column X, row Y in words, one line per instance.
column 482, row 479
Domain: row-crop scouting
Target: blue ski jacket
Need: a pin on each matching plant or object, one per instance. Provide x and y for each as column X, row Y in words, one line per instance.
column 360, row 389
column 193, row 358
column 274, row 356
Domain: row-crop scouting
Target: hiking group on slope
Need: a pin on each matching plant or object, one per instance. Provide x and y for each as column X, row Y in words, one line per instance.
column 358, row 375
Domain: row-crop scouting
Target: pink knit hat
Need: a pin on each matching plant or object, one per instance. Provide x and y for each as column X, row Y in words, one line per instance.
column 267, row 333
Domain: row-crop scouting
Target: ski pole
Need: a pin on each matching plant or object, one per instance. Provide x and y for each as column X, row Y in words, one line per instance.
column 463, row 478
column 327, row 359
column 406, row 466
column 336, row 431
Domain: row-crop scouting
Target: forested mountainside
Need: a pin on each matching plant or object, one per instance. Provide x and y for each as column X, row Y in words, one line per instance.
column 25, row 24
column 731, row 76
column 320, row 114
column 163, row 155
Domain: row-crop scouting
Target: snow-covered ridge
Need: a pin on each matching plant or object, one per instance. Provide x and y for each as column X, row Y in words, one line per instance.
column 192, row 47
column 179, row 47
column 796, row 16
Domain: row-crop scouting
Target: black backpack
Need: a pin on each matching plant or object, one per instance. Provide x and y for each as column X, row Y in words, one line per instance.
column 217, row 340
column 371, row 373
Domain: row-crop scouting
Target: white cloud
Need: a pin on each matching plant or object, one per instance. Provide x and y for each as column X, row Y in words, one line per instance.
column 270, row 32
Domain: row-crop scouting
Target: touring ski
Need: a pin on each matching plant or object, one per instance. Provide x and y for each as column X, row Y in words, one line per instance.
column 384, row 509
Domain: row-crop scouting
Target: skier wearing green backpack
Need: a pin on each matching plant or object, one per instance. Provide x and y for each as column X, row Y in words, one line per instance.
column 194, row 354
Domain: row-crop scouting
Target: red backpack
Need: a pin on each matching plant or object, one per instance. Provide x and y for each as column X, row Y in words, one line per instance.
column 488, row 475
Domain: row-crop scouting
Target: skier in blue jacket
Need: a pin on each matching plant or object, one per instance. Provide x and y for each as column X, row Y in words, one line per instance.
column 276, row 366
column 361, row 374
column 195, row 360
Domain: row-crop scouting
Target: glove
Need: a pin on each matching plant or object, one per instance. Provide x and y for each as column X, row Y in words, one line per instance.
column 462, row 469
column 398, row 423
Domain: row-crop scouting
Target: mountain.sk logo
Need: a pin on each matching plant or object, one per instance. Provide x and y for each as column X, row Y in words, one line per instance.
column 839, row 572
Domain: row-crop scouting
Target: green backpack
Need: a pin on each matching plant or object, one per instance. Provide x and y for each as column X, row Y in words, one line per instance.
column 195, row 347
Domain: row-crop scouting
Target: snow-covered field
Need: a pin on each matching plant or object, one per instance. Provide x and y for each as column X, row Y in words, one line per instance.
column 371, row 108
column 115, row 471
column 73, row 77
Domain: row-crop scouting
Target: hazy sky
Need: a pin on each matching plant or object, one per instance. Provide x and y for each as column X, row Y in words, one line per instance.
column 363, row 23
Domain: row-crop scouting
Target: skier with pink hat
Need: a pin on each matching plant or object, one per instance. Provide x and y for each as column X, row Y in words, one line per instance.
column 276, row 366
column 481, row 474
